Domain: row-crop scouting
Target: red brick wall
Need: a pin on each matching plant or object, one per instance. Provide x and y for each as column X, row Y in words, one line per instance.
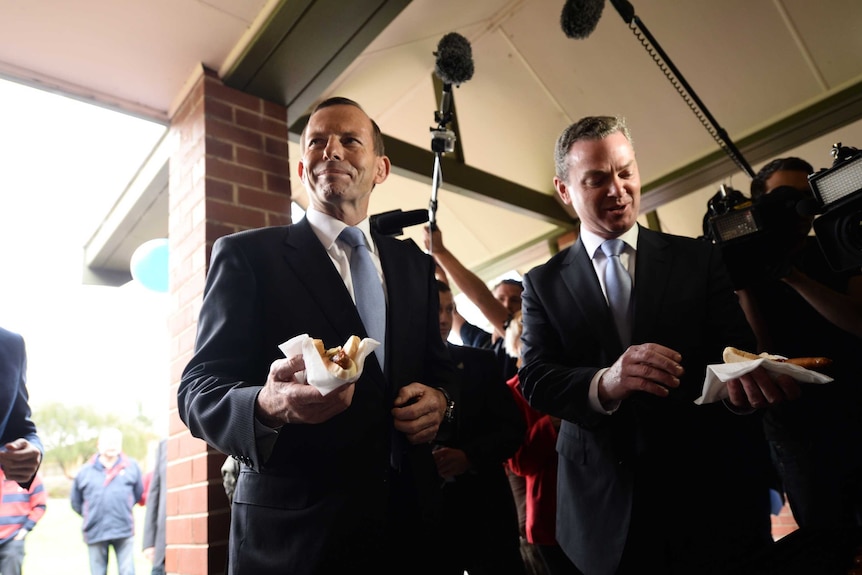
column 229, row 171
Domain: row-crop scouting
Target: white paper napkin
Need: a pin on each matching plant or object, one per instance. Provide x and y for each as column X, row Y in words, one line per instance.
column 315, row 372
column 717, row 375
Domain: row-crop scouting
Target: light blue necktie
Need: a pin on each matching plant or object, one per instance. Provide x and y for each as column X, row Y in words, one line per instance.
column 618, row 283
column 367, row 288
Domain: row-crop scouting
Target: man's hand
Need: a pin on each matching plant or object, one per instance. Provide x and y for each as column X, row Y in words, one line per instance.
column 648, row 367
column 283, row 399
column 450, row 462
column 759, row 388
column 21, row 460
column 418, row 412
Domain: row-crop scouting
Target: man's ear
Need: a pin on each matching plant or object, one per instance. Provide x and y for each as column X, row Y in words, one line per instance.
column 384, row 166
column 562, row 191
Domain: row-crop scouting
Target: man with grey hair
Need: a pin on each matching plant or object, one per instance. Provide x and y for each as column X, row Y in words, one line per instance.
column 617, row 332
column 104, row 492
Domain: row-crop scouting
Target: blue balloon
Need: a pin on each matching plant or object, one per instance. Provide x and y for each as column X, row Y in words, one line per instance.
column 149, row 265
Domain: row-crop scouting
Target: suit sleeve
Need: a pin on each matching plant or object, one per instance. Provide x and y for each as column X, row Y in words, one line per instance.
column 222, row 380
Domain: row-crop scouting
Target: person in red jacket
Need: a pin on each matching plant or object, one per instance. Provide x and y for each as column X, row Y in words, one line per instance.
column 536, row 461
column 20, row 510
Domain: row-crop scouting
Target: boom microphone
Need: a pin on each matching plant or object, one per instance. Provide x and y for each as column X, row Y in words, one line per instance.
column 454, row 59
column 580, row 17
column 393, row 222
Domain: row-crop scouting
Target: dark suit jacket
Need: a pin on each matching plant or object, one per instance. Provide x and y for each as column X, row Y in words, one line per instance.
column 325, row 497
column 665, row 455
column 15, row 419
column 481, row 530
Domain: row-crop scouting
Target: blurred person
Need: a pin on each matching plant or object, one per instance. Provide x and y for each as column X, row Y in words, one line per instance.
column 20, row 510
column 104, row 493
column 480, row 534
column 806, row 309
column 536, row 461
column 155, row 516
column 342, row 482
column 530, row 555
column 21, row 452
column 497, row 305
column 617, row 332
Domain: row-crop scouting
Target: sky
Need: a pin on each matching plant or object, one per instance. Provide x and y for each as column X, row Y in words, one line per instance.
column 63, row 164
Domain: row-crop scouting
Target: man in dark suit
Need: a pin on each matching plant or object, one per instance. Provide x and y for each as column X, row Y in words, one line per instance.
column 649, row 482
column 480, row 532
column 21, row 452
column 341, row 482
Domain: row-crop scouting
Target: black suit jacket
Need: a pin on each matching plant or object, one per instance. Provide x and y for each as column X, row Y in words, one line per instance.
column 15, row 419
column 325, row 497
column 658, row 454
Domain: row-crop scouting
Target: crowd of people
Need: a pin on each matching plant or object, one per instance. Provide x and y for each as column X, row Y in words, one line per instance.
column 565, row 440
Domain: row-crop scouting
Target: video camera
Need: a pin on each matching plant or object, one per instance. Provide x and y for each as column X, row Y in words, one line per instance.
column 838, row 194
column 756, row 237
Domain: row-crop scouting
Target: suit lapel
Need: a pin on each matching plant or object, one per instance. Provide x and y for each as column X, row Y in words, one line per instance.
column 651, row 276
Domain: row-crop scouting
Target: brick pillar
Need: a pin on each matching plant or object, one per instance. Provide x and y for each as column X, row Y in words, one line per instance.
column 229, row 171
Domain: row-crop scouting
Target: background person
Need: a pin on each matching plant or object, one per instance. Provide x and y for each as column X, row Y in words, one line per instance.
column 622, row 371
column 536, row 462
column 20, row 510
column 104, row 493
column 481, row 522
column 343, row 482
column 497, row 305
column 155, row 517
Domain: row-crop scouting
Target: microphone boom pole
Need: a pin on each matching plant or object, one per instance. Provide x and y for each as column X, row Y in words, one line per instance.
column 627, row 12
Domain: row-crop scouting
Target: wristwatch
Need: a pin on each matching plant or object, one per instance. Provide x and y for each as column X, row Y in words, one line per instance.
column 449, row 415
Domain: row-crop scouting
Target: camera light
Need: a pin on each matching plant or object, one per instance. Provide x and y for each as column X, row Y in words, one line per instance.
column 839, row 182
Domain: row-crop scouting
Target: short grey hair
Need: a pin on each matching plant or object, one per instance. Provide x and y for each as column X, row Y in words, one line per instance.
column 589, row 128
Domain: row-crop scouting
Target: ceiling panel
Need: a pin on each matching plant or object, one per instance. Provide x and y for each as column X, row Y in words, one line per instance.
column 773, row 73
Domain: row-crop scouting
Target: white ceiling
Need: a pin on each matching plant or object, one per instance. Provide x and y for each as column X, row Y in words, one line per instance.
column 780, row 76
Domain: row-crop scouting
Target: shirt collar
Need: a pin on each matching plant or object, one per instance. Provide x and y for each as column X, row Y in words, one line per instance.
column 593, row 242
column 327, row 228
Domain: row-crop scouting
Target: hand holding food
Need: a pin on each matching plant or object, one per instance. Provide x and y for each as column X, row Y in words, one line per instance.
column 733, row 355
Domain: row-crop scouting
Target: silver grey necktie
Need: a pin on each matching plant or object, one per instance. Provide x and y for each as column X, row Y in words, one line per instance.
column 618, row 283
column 367, row 288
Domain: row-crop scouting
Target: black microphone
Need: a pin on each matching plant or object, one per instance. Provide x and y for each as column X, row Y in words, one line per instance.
column 580, row 17
column 454, row 65
column 454, row 59
column 393, row 222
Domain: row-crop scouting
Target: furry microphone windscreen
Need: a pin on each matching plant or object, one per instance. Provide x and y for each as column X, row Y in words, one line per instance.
column 454, row 59
column 580, row 17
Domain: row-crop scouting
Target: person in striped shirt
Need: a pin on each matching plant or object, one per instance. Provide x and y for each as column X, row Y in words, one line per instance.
column 20, row 510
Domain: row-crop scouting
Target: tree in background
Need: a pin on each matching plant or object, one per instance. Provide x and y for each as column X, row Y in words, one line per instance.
column 70, row 432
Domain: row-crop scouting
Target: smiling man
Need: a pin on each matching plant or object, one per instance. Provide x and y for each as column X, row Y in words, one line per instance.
column 617, row 331
column 342, row 482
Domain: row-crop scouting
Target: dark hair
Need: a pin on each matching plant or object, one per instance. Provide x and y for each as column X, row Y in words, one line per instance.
column 588, row 128
column 790, row 164
column 341, row 101
column 510, row 282
column 443, row 287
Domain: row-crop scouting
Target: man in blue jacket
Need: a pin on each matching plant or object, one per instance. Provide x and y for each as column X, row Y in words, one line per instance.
column 104, row 493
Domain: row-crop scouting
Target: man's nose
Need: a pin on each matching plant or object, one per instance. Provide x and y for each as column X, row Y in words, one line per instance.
column 333, row 150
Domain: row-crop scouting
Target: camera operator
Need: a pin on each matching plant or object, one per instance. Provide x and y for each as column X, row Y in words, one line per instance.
column 805, row 308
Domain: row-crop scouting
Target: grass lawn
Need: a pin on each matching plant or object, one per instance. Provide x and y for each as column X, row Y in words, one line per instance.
column 56, row 546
